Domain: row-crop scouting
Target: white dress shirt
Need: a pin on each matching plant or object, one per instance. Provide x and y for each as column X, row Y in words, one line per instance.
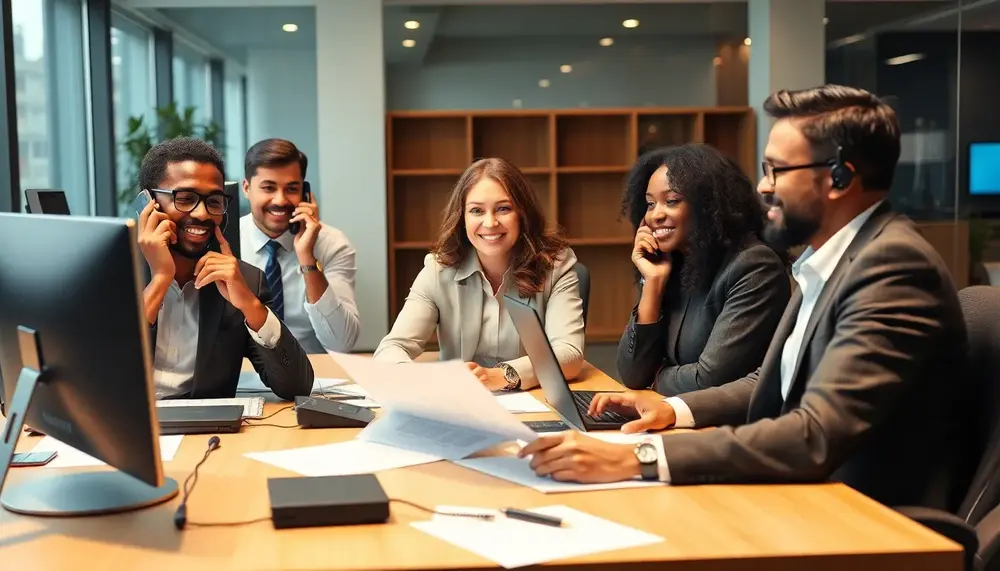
column 177, row 339
column 498, row 339
column 332, row 323
column 811, row 271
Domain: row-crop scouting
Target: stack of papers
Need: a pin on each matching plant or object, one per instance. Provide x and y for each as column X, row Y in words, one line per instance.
column 69, row 457
column 516, row 543
column 351, row 457
column 522, row 403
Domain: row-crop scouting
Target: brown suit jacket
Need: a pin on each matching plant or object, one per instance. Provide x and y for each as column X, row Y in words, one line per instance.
column 874, row 396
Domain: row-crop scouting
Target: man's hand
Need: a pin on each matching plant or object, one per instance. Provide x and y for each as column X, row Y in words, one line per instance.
column 223, row 270
column 572, row 457
column 305, row 241
column 156, row 233
column 493, row 379
column 653, row 412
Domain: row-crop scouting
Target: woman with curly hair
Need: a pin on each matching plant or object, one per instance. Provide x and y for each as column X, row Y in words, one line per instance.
column 493, row 241
column 712, row 292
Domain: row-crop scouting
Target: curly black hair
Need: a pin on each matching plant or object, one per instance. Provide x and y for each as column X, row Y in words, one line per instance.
column 725, row 209
column 154, row 165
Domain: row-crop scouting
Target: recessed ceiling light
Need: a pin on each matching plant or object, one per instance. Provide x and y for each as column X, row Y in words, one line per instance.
column 566, row 68
column 746, row 42
column 717, row 60
column 290, row 27
column 411, row 24
column 607, row 41
column 631, row 23
column 826, row 21
column 409, row 43
column 908, row 58
column 543, row 83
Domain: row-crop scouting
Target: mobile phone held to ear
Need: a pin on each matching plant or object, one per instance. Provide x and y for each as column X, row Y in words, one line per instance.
column 141, row 200
column 295, row 227
column 25, row 459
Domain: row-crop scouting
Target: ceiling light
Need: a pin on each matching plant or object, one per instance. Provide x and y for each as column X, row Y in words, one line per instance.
column 631, row 23
column 409, row 43
column 607, row 41
column 566, row 68
column 908, row 58
column 411, row 24
column 290, row 27
column 717, row 60
column 543, row 83
column 826, row 21
column 746, row 42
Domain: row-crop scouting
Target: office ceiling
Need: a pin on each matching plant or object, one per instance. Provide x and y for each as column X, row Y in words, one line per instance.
column 236, row 30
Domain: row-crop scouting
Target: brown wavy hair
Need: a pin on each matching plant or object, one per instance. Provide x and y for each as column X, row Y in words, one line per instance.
column 536, row 250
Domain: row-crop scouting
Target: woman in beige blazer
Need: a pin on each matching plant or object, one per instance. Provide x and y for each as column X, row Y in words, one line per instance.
column 493, row 241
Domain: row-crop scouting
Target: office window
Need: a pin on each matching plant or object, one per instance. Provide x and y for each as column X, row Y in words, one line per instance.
column 50, row 71
column 235, row 126
column 132, row 92
column 191, row 87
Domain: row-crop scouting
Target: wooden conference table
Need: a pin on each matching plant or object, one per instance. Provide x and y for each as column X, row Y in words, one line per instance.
column 778, row 527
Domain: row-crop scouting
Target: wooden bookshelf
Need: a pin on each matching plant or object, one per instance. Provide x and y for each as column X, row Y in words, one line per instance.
column 576, row 160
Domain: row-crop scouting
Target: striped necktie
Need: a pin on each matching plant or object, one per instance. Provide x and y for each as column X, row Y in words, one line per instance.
column 272, row 273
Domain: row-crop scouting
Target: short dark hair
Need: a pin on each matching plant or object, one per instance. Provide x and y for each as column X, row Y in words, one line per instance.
column 154, row 165
column 273, row 153
column 860, row 123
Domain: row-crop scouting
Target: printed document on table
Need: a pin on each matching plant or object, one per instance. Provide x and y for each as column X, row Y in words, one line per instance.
column 69, row 457
column 437, row 408
column 250, row 383
column 524, row 543
column 518, row 471
column 342, row 458
column 521, row 403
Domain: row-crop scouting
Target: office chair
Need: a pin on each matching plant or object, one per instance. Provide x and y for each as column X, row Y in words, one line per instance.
column 976, row 524
column 583, row 274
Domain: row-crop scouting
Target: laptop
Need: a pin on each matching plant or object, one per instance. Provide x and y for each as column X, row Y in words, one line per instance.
column 571, row 405
column 200, row 419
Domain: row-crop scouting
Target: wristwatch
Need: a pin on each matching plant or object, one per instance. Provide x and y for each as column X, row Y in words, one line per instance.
column 317, row 267
column 513, row 379
column 646, row 453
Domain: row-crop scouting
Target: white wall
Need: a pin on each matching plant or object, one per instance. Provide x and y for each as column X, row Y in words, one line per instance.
column 493, row 73
column 281, row 102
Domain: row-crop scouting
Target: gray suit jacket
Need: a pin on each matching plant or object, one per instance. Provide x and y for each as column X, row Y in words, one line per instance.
column 709, row 338
column 450, row 300
column 223, row 342
column 874, row 397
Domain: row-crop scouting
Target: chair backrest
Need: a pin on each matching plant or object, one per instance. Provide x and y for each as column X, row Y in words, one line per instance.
column 981, row 308
column 583, row 274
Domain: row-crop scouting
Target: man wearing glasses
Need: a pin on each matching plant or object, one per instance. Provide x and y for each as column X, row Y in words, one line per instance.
column 862, row 382
column 206, row 309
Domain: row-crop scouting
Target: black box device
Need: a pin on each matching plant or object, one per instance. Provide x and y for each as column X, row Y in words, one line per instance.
column 327, row 500
column 315, row 412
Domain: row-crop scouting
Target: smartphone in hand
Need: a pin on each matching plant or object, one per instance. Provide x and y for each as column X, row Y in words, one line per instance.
column 296, row 227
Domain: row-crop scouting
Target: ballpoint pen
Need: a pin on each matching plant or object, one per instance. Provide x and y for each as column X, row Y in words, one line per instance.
column 532, row 517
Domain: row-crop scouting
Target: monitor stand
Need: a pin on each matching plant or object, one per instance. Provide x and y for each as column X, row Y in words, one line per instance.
column 73, row 494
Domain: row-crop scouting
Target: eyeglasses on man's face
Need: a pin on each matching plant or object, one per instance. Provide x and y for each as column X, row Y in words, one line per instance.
column 216, row 203
column 771, row 171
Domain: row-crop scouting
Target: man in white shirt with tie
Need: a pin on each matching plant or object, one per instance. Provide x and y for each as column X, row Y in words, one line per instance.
column 862, row 381
column 311, row 271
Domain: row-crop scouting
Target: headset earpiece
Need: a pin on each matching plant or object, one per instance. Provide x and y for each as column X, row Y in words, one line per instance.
column 840, row 173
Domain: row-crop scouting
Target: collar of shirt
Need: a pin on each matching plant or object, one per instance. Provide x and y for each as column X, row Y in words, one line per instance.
column 258, row 239
column 818, row 265
column 470, row 265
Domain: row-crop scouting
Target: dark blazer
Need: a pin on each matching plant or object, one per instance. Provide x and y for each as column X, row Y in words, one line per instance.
column 709, row 338
column 874, row 398
column 223, row 342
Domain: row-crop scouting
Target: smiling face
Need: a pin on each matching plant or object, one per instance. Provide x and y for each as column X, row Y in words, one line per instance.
column 195, row 228
column 491, row 221
column 667, row 212
column 273, row 193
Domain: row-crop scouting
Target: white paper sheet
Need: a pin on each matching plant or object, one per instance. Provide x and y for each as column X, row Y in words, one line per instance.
column 522, row 403
column 525, row 543
column 342, row 458
column 519, row 471
column 69, row 457
column 250, row 383
column 437, row 408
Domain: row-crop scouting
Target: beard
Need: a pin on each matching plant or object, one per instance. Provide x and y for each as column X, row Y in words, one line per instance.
column 180, row 250
column 793, row 228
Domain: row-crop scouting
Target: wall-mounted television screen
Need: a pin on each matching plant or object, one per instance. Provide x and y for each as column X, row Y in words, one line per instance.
column 984, row 168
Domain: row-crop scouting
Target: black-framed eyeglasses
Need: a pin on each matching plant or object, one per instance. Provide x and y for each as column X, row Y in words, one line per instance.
column 771, row 171
column 216, row 203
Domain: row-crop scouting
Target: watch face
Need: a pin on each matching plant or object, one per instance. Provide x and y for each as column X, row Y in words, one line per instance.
column 646, row 453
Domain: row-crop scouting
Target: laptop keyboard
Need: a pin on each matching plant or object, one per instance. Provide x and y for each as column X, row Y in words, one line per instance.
column 583, row 399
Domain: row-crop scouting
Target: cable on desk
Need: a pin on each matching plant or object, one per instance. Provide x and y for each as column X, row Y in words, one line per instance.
column 252, row 424
column 457, row 513
column 255, row 421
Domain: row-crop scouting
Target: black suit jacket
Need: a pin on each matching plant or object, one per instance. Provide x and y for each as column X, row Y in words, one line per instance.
column 712, row 337
column 874, row 397
column 223, row 342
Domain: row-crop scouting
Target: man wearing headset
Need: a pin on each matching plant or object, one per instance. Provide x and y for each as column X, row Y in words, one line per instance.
column 206, row 309
column 862, row 382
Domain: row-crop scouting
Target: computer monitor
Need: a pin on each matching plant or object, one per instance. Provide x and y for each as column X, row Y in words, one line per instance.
column 984, row 168
column 46, row 201
column 75, row 363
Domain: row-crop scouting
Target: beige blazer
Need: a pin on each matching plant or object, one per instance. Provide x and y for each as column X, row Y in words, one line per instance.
column 451, row 300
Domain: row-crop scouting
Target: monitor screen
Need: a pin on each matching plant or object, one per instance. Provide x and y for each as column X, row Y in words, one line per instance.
column 984, row 168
